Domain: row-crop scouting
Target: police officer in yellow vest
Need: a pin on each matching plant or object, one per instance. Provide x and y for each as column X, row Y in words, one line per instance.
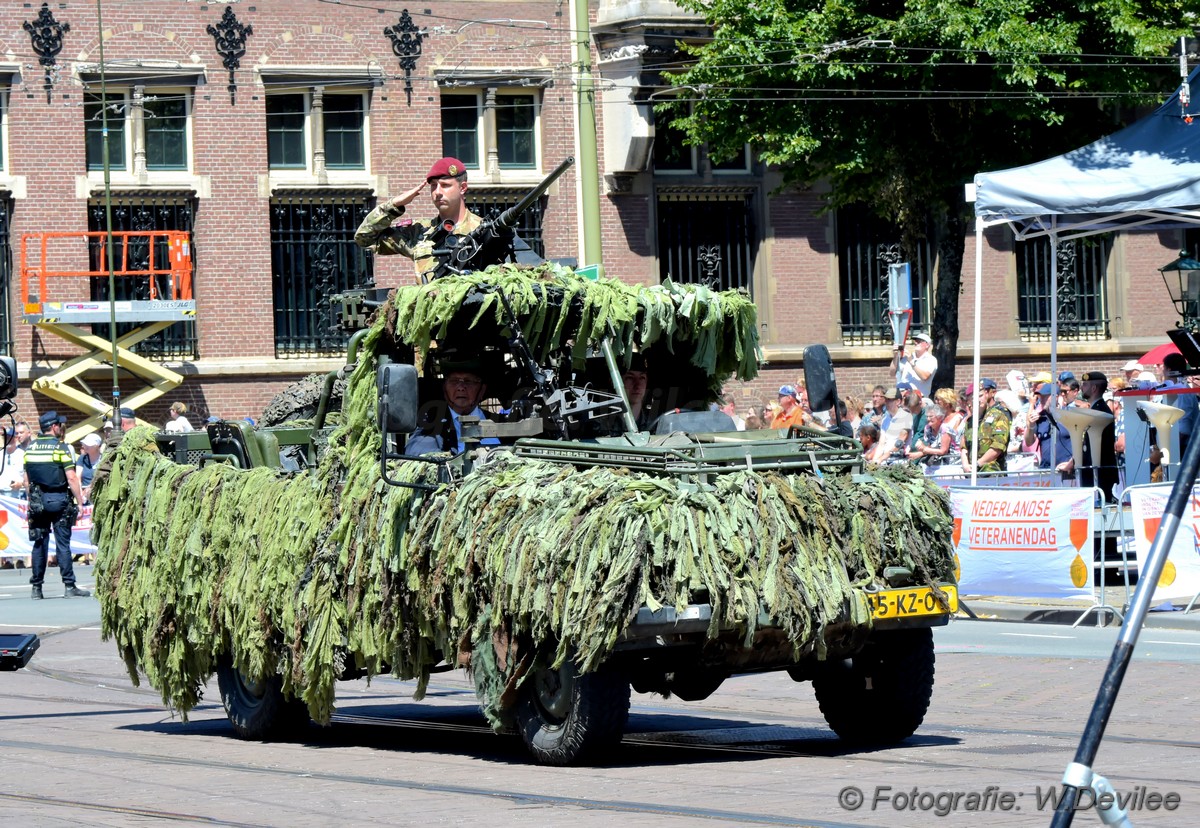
column 54, row 495
column 447, row 181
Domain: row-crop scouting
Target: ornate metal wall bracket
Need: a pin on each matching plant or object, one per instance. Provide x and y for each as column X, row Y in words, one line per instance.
column 46, row 33
column 708, row 257
column 229, row 37
column 406, row 39
column 1068, row 290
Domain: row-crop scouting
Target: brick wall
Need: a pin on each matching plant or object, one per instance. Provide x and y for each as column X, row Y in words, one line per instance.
column 795, row 280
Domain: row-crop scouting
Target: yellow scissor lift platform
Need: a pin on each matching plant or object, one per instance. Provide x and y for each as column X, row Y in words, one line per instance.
column 168, row 267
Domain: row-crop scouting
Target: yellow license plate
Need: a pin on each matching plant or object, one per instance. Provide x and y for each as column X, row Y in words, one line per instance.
column 914, row 602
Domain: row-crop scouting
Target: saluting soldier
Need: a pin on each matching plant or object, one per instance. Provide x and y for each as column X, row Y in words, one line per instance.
column 417, row 238
column 994, row 429
column 54, row 495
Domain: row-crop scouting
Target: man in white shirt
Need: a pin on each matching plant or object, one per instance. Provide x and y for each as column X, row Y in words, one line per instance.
column 915, row 371
column 12, row 476
column 463, row 390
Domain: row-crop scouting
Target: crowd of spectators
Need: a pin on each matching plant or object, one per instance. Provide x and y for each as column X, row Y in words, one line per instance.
column 905, row 421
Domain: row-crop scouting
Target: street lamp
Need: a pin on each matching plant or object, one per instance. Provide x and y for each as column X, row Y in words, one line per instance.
column 1182, row 278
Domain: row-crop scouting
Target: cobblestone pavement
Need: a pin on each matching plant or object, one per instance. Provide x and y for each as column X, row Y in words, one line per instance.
column 80, row 746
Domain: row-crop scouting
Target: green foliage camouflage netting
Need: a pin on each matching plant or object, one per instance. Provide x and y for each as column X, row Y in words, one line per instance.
column 716, row 331
column 297, row 574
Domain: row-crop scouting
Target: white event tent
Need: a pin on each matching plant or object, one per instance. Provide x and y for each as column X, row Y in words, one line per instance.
column 1146, row 176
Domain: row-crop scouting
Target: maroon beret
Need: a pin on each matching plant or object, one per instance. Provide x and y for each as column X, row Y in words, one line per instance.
column 446, row 168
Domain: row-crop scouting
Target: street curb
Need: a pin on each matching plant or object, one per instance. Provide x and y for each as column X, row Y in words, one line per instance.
column 1067, row 615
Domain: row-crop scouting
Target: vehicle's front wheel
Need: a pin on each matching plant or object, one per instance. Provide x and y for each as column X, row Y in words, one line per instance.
column 565, row 717
column 880, row 695
column 258, row 710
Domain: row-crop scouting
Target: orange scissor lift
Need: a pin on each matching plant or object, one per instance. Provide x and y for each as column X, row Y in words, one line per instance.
column 45, row 275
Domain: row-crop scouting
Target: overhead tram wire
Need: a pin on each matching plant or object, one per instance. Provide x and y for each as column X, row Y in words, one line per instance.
column 108, row 238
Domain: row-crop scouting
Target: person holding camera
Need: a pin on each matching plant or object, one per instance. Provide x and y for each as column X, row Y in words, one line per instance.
column 54, row 498
column 1044, row 430
column 915, row 371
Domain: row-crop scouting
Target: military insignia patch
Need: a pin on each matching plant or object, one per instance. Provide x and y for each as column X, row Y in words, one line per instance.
column 453, row 169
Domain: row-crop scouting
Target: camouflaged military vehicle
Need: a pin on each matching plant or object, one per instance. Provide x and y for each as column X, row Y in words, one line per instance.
column 567, row 550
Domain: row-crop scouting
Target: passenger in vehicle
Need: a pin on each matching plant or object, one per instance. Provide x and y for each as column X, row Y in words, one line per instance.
column 636, row 379
column 462, row 388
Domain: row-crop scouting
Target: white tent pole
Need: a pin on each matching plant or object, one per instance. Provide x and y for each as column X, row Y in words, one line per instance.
column 1054, row 337
column 975, row 368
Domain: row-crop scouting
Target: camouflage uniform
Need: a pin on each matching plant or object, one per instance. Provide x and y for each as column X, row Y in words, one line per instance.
column 406, row 237
column 995, row 428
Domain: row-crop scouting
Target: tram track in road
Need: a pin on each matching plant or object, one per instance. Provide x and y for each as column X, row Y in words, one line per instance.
column 746, row 741
column 689, row 739
column 74, row 805
column 724, row 728
column 720, row 734
column 520, row 798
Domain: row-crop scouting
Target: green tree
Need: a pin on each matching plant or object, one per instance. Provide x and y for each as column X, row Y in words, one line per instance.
column 897, row 105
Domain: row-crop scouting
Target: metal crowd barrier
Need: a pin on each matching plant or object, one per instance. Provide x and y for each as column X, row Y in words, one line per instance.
column 1107, row 520
column 1129, row 534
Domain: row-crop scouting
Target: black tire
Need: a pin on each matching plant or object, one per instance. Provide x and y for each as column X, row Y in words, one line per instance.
column 565, row 717
column 881, row 694
column 300, row 400
column 258, row 711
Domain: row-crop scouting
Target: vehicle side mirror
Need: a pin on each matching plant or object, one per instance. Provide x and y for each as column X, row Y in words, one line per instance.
column 818, row 377
column 397, row 385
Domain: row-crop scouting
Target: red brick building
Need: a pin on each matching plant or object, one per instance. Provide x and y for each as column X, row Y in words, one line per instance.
column 270, row 165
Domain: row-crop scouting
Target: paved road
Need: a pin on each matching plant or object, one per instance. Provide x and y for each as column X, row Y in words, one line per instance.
column 18, row 612
column 80, row 745
column 1052, row 640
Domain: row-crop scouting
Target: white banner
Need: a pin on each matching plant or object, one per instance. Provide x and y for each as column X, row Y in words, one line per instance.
column 1031, row 544
column 1180, row 578
column 14, row 531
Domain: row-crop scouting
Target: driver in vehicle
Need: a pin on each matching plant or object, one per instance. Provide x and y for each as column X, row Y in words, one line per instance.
column 462, row 388
column 417, row 238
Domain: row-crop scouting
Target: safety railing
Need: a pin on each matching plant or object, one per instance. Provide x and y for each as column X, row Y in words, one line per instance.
column 161, row 256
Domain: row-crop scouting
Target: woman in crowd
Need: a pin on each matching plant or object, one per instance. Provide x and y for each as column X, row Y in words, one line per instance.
column 178, row 423
column 939, row 443
column 953, row 406
column 854, row 412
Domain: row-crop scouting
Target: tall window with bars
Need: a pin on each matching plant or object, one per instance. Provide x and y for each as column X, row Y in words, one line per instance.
column 707, row 236
column 1081, row 297
column 866, row 245
column 488, row 202
column 314, row 257
column 166, row 211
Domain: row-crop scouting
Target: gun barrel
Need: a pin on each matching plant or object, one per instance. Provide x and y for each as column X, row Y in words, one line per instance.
column 508, row 218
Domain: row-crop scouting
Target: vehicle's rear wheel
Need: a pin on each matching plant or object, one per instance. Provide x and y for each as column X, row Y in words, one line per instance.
column 258, row 710
column 565, row 717
column 879, row 695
